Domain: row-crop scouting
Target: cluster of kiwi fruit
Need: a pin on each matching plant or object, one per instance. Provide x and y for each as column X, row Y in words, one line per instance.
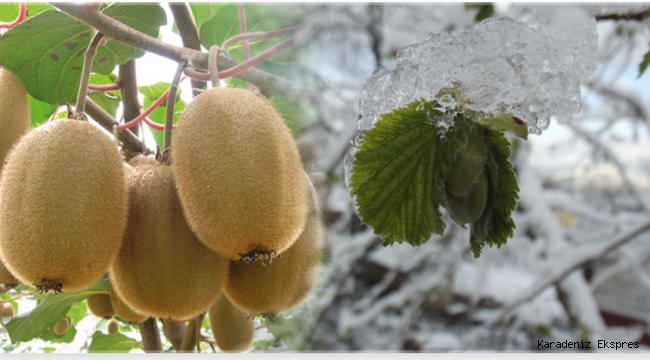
column 232, row 224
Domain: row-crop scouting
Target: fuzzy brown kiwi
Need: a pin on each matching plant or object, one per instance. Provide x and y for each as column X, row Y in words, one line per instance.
column 8, row 310
column 62, row 326
column 100, row 305
column 63, row 204
column 14, row 111
column 286, row 282
column 123, row 311
column 162, row 268
column 142, row 159
column 238, row 174
column 174, row 332
column 6, row 277
column 112, row 326
column 233, row 329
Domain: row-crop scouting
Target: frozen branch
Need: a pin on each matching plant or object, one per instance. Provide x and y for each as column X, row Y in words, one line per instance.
column 640, row 16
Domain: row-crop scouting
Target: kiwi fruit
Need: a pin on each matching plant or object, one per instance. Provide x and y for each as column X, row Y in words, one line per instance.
column 174, row 332
column 8, row 310
column 62, row 326
column 468, row 209
column 14, row 111
column 233, row 329
column 6, row 277
column 142, row 159
column 112, row 326
column 125, row 312
column 464, row 171
column 100, row 305
column 238, row 174
column 286, row 282
column 162, row 269
column 63, row 205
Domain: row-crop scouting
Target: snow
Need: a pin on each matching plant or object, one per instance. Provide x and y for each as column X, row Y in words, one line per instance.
column 532, row 71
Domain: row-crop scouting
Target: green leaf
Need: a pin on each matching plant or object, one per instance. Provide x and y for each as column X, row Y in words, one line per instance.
column 9, row 11
column 644, row 64
column 45, row 52
column 223, row 25
column 201, row 12
column 296, row 115
column 77, row 311
column 146, row 18
column 40, row 111
column 117, row 342
column 27, row 326
column 292, row 331
column 506, row 122
column 108, row 103
column 155, row 91
column 392, row 175
column 485, row 10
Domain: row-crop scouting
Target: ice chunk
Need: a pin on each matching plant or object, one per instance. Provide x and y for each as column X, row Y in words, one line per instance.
column 532, row 70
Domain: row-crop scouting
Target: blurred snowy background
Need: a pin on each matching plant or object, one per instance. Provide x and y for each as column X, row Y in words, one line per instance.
column 578, row 267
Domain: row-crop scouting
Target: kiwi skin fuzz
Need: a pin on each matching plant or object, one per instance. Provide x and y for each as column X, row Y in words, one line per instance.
column 62, row 326
column 14, row 111
column 288, row 280
column 238, row 173
column 123, row 311
column 162, row 269
column 233, row 329
column 100, row 305
column 6, row 277
column 63, row 197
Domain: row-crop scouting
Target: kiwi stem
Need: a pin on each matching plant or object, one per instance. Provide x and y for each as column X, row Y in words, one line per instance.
column 109, row 87
column 262, row 35
column 189, row 34
column 244, row 43
column 80, row 105
column 213, row 67
column 150, row 335
column 22, row 12
column 18, row 297
column 169, row 116
column 272, row 85
column 246, row 65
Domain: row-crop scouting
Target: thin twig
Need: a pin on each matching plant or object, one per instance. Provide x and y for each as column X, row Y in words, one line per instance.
column 18, row 297
column 171, row 102
column 150, row 335
column 80, row 105
column 128, row 139
column 640, row 16
column 109, row 87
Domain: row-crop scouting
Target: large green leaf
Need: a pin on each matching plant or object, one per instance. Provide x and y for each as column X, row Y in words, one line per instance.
column 40, row 111
column 146, row 18
column 46, row 53
column 259, row 17
column 27, row 326
column 292, row 331
column 9, row 11
column 111, row 343
column 392, row 176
